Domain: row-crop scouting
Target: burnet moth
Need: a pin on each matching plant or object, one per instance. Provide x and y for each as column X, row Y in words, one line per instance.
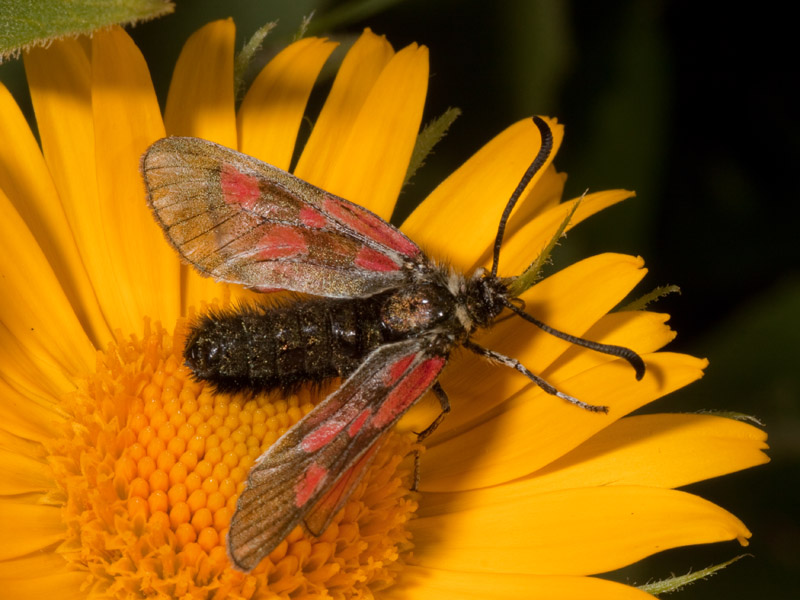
column 376, row 312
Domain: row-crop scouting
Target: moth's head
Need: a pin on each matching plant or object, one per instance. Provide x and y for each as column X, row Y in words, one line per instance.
column 485, row 297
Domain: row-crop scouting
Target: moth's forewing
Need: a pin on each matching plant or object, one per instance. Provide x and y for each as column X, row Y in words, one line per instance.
column 242, row 221
column 306, row 462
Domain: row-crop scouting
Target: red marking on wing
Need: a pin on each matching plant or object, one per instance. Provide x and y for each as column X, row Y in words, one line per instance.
column 370, row 225
column 358, row 423
column 372, row 260
column 410, row 388
column 309, row 484
column 398, row 368
column 320, row 437
column 312, row 217
column 238, row 188
column 282, row 241
column 320, row 515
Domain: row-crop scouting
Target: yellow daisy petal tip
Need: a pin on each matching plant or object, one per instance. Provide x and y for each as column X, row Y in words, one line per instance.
column 197, row 104
column 273, row 108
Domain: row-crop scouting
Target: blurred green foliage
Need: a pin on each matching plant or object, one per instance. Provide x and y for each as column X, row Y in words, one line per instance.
column 691, row 106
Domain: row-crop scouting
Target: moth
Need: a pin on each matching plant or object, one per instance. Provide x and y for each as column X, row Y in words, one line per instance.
column 374, row 311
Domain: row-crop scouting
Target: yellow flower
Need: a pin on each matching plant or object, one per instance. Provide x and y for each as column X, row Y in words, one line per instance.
column 120, row 473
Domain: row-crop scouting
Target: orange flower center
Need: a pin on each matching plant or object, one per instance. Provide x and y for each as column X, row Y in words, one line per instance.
column 152, row 465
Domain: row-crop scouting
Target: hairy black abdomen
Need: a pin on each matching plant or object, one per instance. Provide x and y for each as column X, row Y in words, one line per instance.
column 261, row 348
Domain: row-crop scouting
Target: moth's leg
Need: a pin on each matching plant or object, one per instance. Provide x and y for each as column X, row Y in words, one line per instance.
column 415, row 482
column 515, row 364
column 444, row 403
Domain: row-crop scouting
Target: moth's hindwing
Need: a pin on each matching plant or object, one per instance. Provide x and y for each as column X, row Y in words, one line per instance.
column 326, row 447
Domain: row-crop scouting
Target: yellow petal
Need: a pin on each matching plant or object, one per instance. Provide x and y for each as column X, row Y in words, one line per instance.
column 20, row 445
column 571, row 300
column 35, row 376
column 23, row 475
column 535, row 428
column 201, row 101
column 538, row 199
column 127, row 120
column 201, row 104
column 354, row 81
column 273, row 108
column 571, row 532
column 521, row 247
column 665, row 450
column 24, row 417
column 423, row 583
column 41, row 576
column 27, row 184
column 59, row 79
column 35, row 312
column 458, row 221
column 28, row 527
column 547, row 193
column 642, row 331
column 370, row 164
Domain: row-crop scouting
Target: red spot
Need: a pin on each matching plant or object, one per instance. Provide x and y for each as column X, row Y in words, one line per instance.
column 372, row 260
column 407, row 392
column 356, row 425
column 312, row 217
column 364, row 222
column 325, row 506
column 282, row 241
column 309, row 484
column 238, row 188
column 320, row 437
column 397, row 369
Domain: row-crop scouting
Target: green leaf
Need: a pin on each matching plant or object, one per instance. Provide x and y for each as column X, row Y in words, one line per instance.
column 24, row 24
column 532, row 274
column 247, row 53
column 643, row 301
column 674, row 584
column 431, row 135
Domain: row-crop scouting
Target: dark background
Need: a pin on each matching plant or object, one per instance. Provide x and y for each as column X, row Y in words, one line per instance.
column 691, row 106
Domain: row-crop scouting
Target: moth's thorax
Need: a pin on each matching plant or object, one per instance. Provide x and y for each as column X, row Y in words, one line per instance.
column 417, row 308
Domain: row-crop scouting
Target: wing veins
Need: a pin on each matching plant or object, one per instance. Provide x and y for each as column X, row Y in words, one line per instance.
column 205, row 231
column 183, row 165
column 155, row 188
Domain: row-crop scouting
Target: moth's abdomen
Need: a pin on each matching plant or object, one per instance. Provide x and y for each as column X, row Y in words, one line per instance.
column 263, row 348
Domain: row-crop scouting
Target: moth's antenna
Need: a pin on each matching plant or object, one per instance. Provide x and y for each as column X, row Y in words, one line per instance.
column 621, row 351
column 541, row 157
